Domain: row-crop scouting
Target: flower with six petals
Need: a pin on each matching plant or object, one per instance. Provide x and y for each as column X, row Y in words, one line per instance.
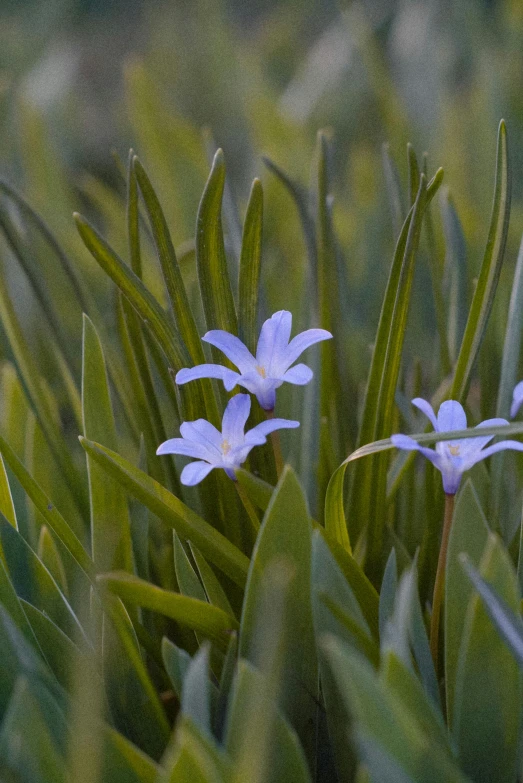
column 453, row 457
column 227, row 449
column 264, row 373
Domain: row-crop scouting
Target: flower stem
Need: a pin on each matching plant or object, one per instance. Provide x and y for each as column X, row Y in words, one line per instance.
column 249, row 508
column 439, row 585
column 276, row 446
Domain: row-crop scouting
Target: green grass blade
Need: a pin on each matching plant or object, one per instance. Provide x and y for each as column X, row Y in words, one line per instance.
column 173, row 512
column 183, row 316
column 250, row 265
column 110, row 524
column 489, row 274
column 200, row 616
column 215, row 287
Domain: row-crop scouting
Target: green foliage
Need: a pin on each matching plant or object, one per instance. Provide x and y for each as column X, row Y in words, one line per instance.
column 149, row 631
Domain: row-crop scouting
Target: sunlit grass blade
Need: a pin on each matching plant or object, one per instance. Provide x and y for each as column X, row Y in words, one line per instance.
column 489, row 275
column 189, row 526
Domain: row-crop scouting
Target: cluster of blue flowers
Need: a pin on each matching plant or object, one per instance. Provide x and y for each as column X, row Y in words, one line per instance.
column 272, row 366
column 261, row 375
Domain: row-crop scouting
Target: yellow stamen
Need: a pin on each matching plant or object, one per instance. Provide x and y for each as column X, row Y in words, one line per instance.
column 454, row 450
column 261, row 371
column 226, row 446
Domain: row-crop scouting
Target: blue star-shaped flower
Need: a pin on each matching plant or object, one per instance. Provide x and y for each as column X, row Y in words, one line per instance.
column 517, row 399
column 453, row 457
column 264, row 373
column 227, row 449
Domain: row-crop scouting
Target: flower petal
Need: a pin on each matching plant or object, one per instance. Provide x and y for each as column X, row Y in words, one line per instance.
column 513, row 445
column 303, row 341
column 234, row 419
column 232, row 347
column 273, row 341
column 517, row 399
column 184, row 447
column 203, row 432
column 258, row 435
column 300, row 375
column 451, row 416
column 426, row 408
column 195, row 472
column 229, row 377
column 409, row 444
column 469, row 446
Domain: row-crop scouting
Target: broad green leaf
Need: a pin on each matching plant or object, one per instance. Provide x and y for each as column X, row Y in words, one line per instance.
column 198, row 615
column 281, row 757
column 173, row 512
column 286, row 533
column 488, row 682
column 489, row 274
column 123, row 762
column 469, row 534
column 383, row 721
column 215, row 287
column 250, row 265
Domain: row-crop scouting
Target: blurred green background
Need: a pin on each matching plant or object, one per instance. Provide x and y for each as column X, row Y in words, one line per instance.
column 81, row 82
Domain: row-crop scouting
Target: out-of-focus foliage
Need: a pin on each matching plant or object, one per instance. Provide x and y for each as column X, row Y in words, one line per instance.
column 149, row 631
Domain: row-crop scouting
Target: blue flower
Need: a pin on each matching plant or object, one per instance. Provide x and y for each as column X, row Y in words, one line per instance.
column 453, row 457
column 517, row 399
column 227, row 449
column 264, row 373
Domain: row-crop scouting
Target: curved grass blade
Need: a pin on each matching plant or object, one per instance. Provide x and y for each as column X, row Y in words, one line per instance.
column 200, row 616
column 489, row 274
column 189, row 526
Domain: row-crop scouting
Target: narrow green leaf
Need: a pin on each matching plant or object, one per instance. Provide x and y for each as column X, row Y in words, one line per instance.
column 110, row 524
column 176, row 662
column 186, row 576
column 218, row 303
column 215, row 593
column 250, row 266
column 183, row 316
column 392, row 185
column 50, row 556
column 6, row 500
column 489, row 274
column 173, row 512
column 198, row 615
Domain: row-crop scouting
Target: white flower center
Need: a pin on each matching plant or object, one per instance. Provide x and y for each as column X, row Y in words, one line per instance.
column 261, row 371
column 454, row 450
column 226, row 447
